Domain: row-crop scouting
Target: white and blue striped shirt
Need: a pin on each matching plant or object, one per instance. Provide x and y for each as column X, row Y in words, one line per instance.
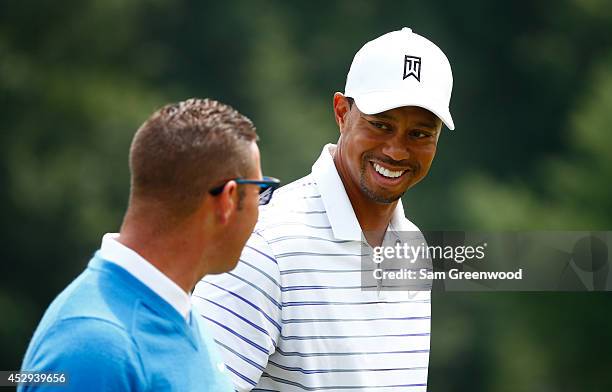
column 293, row 315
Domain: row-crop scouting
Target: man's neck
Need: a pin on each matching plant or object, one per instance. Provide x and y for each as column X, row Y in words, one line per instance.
column 169, row 253
column 373, row 217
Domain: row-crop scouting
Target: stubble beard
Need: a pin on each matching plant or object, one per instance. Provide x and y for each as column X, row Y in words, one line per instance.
column 369, row 193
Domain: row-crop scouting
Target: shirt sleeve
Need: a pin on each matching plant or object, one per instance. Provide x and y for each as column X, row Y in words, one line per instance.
column 242, row 311
column 94, row 354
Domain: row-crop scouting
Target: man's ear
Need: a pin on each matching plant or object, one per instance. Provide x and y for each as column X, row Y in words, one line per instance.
column 227, row 202
column 341, row 110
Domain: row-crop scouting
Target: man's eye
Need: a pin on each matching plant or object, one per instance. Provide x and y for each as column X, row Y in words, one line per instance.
column 379, row 125
column 420, row 134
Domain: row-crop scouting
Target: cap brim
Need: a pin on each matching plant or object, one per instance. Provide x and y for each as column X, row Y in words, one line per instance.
column 378, row 102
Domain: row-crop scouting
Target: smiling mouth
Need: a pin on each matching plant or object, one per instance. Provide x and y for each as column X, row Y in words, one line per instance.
column 387, row 173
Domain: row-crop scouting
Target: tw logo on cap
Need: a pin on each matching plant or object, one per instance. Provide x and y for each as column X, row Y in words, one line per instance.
column 412, row 67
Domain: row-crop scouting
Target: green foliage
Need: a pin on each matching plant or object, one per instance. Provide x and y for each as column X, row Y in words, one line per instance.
column 572, row 191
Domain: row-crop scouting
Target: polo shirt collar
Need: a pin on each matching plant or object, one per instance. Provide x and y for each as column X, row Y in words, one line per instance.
column 338, row 207
column 126, row 258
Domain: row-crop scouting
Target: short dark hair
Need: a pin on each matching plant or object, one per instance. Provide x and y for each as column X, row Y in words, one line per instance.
column 186, row 148
column 350, row 102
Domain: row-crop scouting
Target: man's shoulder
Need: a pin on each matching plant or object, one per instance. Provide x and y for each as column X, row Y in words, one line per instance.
column 298, row 202
column 87, row 330
column 301, row 189
column 70, row 339
column 98, row 332
column 95, row 296
column 293, row 207
column 90, row 350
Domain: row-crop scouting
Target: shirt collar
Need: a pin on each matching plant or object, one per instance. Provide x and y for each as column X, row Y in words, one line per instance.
column 338, row 207
column 117, row 253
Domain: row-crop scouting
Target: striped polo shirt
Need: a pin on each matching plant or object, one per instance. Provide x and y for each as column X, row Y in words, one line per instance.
column 293, row 315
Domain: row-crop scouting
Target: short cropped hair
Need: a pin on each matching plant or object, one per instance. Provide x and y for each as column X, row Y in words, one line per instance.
column 185, row 149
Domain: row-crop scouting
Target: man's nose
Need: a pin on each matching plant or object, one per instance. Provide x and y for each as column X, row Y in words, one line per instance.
column 396, row 149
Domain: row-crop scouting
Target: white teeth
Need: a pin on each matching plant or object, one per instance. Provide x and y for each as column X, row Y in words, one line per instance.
column 386, row 172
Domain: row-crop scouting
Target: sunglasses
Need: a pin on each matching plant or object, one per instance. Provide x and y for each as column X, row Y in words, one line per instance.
column 267, row 186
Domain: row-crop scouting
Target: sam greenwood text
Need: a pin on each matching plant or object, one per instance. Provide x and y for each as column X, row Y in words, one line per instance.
column 454, row 273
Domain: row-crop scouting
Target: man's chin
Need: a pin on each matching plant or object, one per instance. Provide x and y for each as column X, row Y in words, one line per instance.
column 380, row 197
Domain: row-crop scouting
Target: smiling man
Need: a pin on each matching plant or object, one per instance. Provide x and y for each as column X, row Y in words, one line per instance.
column 295, row 314
column 379, row 156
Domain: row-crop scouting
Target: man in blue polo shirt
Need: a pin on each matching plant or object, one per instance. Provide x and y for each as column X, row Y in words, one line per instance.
column 126, row 322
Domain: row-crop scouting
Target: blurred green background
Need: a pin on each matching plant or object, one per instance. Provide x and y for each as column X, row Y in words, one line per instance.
column 532, row 104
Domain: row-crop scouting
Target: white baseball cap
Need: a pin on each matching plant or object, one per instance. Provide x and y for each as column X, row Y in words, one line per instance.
column 398, row 69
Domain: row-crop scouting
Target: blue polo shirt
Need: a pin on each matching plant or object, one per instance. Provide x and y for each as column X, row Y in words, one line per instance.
column 109, row 331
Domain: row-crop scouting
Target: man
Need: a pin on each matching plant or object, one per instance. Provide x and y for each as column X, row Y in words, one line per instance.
column 126, row 322
column 294, row 315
